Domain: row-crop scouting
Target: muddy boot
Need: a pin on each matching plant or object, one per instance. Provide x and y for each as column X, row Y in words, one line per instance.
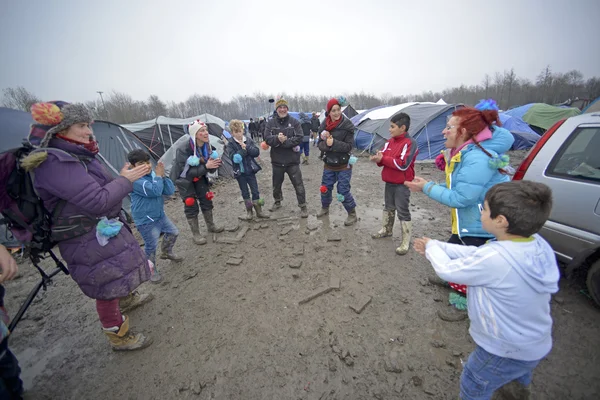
column 406, row 236
column 167, row 253
column 324, row 211
column 258, row 208
column 154, row 278
column 437, row 281
column 388, row 225
column 249, row 215
column 122, row 339
column 513, row 391
column 198, row 239
column 134, row 300
column 210, row 223
column 352, row 218
column 304, row 160
column 452, row 315
column 276, row 206
column 303, row 211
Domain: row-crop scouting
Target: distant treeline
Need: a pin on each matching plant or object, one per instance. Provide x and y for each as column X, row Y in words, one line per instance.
column 506, row 88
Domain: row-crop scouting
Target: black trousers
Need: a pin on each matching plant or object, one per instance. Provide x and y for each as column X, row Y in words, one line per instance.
column 468, row 240
column 11, row 386
column 295, row 175
column 200, row 190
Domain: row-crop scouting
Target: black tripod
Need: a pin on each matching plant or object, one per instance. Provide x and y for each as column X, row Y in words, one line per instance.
column 43, row 283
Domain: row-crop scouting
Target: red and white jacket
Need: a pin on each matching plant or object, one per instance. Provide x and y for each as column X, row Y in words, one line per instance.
column 398, row 162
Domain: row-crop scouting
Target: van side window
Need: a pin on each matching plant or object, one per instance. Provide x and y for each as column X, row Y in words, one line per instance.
column 579, row 157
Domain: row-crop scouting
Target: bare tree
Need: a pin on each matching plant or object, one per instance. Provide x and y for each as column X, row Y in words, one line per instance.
column 510, row 79
column 18, row 98
column 156, row 107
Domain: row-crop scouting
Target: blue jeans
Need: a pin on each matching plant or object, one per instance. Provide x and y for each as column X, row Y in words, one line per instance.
column 305, row 146
column 343, row 187
column 246, row 181
column 151, row 233
column 484, row 373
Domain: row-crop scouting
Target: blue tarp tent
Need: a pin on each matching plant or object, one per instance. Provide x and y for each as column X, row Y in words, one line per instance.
column 525, row 137
column 428, row 120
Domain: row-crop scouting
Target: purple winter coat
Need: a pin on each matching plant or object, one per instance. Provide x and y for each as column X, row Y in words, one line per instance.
column 104, row 273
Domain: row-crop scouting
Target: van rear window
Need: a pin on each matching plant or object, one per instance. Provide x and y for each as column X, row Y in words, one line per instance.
column 579, row 157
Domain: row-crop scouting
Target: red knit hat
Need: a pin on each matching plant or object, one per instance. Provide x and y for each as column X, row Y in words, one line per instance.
column 332, row 103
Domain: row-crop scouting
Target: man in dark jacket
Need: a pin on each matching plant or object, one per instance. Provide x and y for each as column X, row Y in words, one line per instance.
column 315, row 127
column 261, row 127
column 284, row 134
column 253, row 128
column 306, row 125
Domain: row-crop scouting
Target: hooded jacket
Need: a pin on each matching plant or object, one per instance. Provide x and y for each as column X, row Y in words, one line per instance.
column 468, row 178
column 283, row 154
column 102, row 272
column 147, row 203
column 510, row 285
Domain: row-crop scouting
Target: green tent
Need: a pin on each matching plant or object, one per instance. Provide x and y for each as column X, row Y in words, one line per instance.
column 541, row 115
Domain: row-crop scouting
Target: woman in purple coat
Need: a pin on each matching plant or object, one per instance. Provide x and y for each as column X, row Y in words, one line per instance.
column 68, row 175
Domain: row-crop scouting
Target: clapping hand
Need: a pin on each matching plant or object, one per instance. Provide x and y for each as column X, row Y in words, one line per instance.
column 282, row 138
column 377, row 157
column 213, row 163
column 8, row 265
column 160, row 169
column 135, row 173
column 417, row 184
column 420, row 245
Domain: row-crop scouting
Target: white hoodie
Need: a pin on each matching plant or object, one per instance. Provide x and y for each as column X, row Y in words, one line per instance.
column 508, row 296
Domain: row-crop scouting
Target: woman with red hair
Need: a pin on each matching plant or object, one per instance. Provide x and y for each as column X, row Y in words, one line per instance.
column 473, row 162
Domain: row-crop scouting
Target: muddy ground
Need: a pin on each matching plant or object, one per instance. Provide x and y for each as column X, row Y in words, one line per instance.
column 237, row 331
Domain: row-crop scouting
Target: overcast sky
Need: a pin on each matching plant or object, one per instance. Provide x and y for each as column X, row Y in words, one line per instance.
column 68, row 50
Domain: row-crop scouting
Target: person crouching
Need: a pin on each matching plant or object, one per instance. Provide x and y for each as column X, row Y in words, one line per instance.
column 242, row 151
column 193, row 161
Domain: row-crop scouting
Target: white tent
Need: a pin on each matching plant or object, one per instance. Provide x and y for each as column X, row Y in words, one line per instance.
column 160, row 133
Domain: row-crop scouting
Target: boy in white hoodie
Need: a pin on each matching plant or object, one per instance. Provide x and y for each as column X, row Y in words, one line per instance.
column 510, row 281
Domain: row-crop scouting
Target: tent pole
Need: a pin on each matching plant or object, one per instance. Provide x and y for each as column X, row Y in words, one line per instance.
column 170, row 136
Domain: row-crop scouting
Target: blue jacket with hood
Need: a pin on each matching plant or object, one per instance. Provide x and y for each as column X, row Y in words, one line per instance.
column 468, row 178
column 147, row 204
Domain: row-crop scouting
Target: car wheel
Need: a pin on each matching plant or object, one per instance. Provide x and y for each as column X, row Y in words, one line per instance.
column 593, row 281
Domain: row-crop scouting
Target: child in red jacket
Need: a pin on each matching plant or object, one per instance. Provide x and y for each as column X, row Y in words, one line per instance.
column 398, row 161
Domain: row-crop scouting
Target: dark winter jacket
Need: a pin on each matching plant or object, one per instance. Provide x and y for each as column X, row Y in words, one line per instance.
column 102, row 272
column 283, row 154
column 261, row 126
column 147, row 203
column 252, row 127
column 251, row 167
column 315, row 123
column 306, row 125
column 184, row 183
column 338, row 154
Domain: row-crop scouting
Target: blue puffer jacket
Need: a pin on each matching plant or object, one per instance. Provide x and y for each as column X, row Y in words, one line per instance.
column 147, row 204
column 468, row 178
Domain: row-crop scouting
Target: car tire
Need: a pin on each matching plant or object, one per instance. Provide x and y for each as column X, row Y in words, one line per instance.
column 593, row 281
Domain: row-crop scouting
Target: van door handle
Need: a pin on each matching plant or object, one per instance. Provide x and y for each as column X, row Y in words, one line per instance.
column 597, row 210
